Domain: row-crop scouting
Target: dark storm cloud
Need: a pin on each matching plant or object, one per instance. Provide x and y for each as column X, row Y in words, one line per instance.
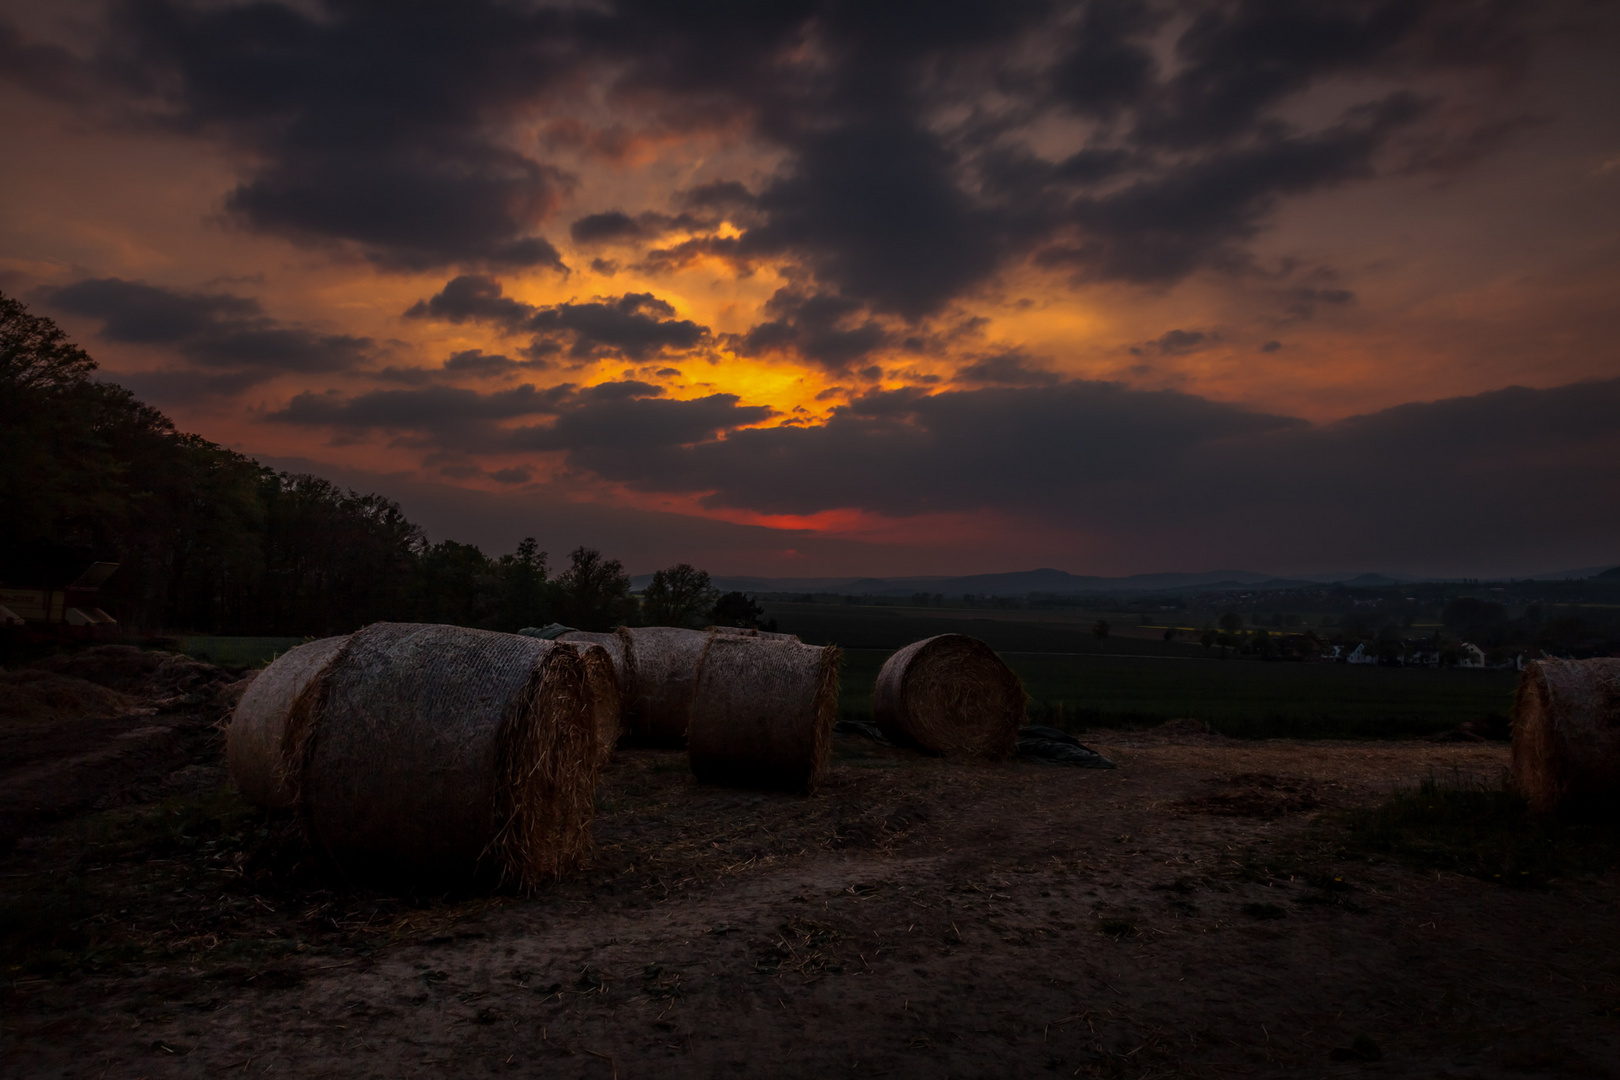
column 598, row 424
column 1165, row 226
column 612, row 427
column 617, row 227
column 379, row 125
column 132, row 311
column 1240, row 61
column 214, row 330
column 609, row 226
column 517, row 475
column 472, row 298
column 479, row 362
column 1006, row 369
column 428, row 409
column 829, row 331
column 1180, row 342
column 878, row 212
column 1501, row 472
column 634, row 326
column 1106, row 65
column 907, row 137
column 469, row 363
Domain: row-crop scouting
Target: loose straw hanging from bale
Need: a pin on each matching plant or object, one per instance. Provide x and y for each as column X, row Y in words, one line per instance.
column 438, row 753
column 1566, row 734
column 950, row 695
column 604, row 668
column 254, row 750
column 664, row 663
column 764, row 713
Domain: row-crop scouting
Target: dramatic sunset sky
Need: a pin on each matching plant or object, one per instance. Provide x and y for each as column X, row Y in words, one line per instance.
column 818, row 288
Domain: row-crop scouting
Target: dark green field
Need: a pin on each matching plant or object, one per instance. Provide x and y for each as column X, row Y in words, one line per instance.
column 1077, row 681
column 238, row 651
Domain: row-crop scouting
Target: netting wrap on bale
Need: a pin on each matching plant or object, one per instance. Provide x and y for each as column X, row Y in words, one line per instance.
column 255, row 751
column 441, row 754
column 1566, row 734
column 663, row 662
column 763, row 713
column 950, row 695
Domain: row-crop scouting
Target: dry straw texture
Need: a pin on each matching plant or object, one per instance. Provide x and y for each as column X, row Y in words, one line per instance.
column 664, row 663
column 254, row 749
column 602, row 674
column 748, row 631
column 36, row 697
column 615, row 645
column 764, row 713
column 950, row 695
column 439, row 754
column 1566, row 733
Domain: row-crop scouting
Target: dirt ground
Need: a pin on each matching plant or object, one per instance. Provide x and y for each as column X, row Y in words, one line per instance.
column 1186, row 914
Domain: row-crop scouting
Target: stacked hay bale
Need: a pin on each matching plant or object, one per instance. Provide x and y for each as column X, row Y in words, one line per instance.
column 439, row 754
column 254, row 746
column 609, row 674
column 950, row 695
column 662, row 663
column 1566, row 734
column 763, row 713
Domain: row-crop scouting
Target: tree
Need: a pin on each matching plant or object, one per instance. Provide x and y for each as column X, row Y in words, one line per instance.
column 594, row 594
column 525, row 596
column 456, row 585
column 678, row 596
column 737, row 609
column 1100, row 629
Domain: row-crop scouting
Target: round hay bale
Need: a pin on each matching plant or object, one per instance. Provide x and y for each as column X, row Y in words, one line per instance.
column 438, row 754
column 1566, row 734
column 663, row 662
column 950, row 695
column 254, row 750
column 763, row 713
column 749, row 631
column 616, row 648
column 603, row 675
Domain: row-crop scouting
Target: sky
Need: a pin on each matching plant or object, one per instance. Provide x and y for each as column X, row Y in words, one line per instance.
column 812, row 289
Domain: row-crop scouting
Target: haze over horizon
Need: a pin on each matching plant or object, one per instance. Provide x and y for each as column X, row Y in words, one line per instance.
column 815, row 290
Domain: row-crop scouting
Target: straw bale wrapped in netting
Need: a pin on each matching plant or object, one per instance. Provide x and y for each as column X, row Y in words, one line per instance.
column 617, row 650
column 604, row 669
column 254, row 747
column 950, row 695
column 1566, row 734
column 663, row 663
column 749, row 631
column 436, row 754
column 764, row 713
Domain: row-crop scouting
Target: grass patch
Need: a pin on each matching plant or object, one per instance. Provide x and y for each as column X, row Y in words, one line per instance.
column 1243, row 699
column 1483, row 831
column 238, row 652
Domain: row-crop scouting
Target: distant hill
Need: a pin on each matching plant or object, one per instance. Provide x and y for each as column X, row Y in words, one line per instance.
column 1062, row 583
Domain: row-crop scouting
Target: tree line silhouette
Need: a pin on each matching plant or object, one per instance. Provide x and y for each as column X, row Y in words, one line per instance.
column 211, row 541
